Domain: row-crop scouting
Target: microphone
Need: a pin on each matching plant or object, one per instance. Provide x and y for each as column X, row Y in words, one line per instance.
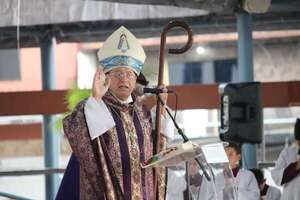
column 156, row 90
column 143, row 90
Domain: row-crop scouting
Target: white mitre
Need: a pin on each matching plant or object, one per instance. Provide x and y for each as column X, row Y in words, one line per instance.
column 122, row 49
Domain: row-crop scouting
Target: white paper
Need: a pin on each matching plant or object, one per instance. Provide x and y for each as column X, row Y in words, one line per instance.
column 215, row 153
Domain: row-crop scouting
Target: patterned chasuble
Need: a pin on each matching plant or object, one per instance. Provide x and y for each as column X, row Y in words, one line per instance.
column 118, row 154
column 128, row 144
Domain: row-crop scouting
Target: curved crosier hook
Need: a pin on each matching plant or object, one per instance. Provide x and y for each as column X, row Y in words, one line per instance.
column 187, row 46
column 184, row 26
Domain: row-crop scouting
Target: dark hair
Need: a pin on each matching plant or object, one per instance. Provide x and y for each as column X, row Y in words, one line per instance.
column 259, row 175
column 141, row 79
column 235, row 146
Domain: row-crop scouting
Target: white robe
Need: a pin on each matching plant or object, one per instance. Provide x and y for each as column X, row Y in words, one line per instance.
column 273, row 193
column 245, row 183
column 97, row 110
column 291, row 189
column 177, row 185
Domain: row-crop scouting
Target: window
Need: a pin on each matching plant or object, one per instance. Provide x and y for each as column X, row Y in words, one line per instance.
column 9, row 65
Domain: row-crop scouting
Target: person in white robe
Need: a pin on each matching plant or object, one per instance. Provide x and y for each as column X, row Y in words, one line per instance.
column 287, row 168
column 235, row 184
column 177, row 182
column 267, row 192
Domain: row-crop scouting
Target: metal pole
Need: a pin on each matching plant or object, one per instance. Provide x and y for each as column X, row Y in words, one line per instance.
column 263, row 149
column 245, row 65
column 50, row 135
column 12, row 196
column 187, row 177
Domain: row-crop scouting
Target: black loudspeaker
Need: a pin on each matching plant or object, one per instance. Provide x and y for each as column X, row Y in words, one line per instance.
column 241, row 112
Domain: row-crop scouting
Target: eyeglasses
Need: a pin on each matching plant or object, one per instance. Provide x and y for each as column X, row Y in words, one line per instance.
column 120, row 75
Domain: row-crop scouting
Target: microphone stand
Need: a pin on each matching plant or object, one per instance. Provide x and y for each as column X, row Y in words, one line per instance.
column 185, row 139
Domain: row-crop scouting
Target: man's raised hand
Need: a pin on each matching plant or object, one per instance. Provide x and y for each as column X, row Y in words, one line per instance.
column 100, row 84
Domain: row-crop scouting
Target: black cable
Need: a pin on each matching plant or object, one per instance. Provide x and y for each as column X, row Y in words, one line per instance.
column 176, row 104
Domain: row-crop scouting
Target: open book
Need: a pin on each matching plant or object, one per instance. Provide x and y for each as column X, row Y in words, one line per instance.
column 173, row 155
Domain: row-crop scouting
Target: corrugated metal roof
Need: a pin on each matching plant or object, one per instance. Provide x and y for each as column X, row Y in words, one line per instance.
column 27, row 23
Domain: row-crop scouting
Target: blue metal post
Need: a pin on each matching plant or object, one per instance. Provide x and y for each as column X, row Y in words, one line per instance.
column 50, row 135
column 245, row 66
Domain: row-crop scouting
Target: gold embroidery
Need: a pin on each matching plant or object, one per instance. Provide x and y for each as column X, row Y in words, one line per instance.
column 134, row 151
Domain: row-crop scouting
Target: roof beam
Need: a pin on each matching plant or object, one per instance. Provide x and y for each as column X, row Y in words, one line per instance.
column 197, row 96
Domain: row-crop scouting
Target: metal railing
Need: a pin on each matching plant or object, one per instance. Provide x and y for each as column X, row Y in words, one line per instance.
column 29, row 172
